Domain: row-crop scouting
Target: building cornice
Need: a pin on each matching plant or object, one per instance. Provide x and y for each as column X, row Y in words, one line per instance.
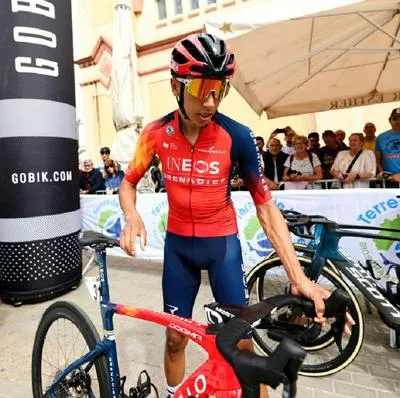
column 104, row 44
column 101, row 45
column 162, row 44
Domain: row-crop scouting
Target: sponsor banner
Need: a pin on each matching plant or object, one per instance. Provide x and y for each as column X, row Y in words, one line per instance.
column 102, row 213
column 378, row 207
column 40, row 174
column 36, row 50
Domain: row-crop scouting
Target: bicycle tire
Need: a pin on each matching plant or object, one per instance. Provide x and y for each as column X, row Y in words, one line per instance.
column 59, row 320
column 262, row 273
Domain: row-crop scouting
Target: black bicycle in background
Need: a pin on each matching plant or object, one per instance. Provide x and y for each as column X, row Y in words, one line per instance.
column 327, row 350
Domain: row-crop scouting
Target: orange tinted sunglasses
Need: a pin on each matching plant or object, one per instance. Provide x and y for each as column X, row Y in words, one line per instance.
column 202, row 88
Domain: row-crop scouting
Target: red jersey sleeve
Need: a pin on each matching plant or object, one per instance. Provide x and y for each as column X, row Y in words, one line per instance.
column 144, row 153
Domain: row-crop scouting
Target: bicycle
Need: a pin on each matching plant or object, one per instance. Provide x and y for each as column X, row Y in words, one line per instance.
column 227, row 372
column 326, row 264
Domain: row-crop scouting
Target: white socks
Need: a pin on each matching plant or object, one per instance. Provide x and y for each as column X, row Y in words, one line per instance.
column 172, row 390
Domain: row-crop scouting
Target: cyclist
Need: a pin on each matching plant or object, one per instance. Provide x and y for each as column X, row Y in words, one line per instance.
column 198, row 147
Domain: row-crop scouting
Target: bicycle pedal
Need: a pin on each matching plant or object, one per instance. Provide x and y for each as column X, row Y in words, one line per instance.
column 143, row 387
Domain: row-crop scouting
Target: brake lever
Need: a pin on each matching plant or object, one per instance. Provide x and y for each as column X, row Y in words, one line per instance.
column 335, row 307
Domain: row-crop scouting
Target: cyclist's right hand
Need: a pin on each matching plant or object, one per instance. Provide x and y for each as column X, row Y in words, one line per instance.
column 134, row 228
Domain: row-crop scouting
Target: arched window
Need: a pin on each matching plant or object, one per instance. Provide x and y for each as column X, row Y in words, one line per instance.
column 161, row 9
column 194, row 4
column 178, row 7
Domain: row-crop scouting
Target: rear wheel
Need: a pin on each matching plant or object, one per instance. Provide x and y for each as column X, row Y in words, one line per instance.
column 64, row 334
column 324, row 357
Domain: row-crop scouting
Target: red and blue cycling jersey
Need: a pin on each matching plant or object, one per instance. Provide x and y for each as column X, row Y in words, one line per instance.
column 197, row 177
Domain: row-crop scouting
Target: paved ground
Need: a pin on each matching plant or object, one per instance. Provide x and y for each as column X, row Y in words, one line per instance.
column 375, row 373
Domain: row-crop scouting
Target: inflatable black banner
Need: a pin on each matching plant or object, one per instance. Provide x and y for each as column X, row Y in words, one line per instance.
column 39, row 200
column 36, row 50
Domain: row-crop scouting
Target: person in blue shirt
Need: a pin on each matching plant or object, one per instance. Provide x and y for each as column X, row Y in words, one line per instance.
column 112, row 176
column 388, row 148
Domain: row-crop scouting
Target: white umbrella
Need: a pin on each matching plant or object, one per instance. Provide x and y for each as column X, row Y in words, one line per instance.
column 332, row 59
column 126, row 99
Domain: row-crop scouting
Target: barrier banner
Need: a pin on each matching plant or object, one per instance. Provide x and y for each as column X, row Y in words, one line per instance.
column 39, row 201
column 379, row 207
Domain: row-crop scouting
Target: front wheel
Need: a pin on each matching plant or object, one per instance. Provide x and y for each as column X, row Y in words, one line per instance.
column 324, row 358
column 64, row 334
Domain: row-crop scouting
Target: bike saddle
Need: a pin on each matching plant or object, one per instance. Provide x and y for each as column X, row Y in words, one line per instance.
column 94, row 239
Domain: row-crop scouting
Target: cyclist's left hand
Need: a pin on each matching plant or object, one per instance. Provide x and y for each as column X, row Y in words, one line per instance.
column 316, row 293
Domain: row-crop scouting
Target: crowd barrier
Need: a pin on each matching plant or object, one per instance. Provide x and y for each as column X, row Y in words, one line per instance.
column 337, row 184
column 378, row 207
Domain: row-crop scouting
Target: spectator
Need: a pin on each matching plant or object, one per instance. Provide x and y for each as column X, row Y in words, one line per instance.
column 91, row 180
column 274, row 160
column 289, row 138
column 237, row 181
column 340, row 136
column 112, row 176
column 313, row 143
column 260, row 144
column 328, row 153
column 354, row 166
column 156, row 175
column 369, row 131
column 388, row 145
column 105, row 155
column 302, row 167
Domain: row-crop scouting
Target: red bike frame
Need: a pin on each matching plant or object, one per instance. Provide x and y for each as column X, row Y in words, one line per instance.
column 215, row 377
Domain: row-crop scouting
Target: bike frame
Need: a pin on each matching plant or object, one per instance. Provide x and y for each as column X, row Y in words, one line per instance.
column 214, row 377
column 324, row 247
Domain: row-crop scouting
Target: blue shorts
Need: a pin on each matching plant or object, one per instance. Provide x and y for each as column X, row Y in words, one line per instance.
column 185, row 257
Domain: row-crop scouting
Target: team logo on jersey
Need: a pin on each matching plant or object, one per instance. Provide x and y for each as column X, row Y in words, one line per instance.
column 170, row 130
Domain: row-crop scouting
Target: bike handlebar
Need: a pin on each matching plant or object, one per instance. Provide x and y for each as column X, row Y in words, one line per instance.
column 295, row 220
column 284, row 363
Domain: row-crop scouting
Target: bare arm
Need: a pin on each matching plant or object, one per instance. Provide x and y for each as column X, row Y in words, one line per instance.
column 275, row 227
column 379, row 161
column 133, row 222
column 285, row 176
column 317, row 174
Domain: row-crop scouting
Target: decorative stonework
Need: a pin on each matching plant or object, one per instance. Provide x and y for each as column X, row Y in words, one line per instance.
column 101, row 59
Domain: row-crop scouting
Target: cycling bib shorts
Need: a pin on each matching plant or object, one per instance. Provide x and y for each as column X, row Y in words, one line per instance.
column 185, row 257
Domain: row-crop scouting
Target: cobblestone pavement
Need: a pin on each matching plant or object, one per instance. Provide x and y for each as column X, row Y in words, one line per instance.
column 375, row 373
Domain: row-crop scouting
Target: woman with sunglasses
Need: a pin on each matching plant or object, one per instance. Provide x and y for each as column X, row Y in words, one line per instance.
column 198, row 147
column 112, row 176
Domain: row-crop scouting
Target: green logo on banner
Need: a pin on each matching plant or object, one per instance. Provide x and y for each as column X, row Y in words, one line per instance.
column 385, row 245
column 255, row 237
